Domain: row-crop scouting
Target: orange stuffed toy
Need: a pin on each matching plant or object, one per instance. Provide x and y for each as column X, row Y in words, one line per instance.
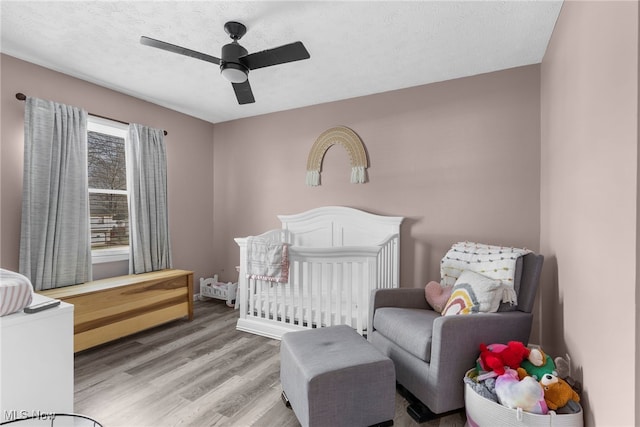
column 557, row 392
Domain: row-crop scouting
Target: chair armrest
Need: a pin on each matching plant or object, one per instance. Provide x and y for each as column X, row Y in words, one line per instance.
column 456, row 341
column 396, row 297
column 399, row 297
column 488, row 328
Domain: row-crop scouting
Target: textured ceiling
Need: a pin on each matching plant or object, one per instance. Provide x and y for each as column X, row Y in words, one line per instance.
column 357, row 48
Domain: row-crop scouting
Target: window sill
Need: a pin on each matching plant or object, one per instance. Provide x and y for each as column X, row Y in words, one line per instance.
column 109, row 255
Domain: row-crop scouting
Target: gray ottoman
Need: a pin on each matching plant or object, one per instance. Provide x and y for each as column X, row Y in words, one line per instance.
column 333, row 377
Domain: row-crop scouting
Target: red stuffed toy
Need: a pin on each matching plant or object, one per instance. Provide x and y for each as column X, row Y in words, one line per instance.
column 496, row 357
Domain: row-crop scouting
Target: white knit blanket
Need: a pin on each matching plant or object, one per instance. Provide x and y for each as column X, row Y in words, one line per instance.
column 267, row 260
column 495, row 262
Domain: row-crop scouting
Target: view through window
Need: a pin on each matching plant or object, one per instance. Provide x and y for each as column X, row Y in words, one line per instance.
column 108, row 205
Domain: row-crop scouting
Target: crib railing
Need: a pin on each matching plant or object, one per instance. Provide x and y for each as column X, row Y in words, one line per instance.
column 327, row 286
column 388, row 262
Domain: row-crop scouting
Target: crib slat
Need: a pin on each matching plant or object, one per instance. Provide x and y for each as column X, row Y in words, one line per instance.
column 301, row 293
column 349, row 294
column 281, row 302
column 288, row 303
column 269, row 292
column 308, row 283
column 360, row 298
column 274, row 291
column 253, row 296
column 297, row 297
column 383, row 263
column 319, row 292
column 330, row 310
column 317, row 302
column 339, row 290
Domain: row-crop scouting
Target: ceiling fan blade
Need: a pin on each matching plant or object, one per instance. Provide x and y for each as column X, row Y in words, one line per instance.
column 147, row 41
column 278, row 55
column 243, row 92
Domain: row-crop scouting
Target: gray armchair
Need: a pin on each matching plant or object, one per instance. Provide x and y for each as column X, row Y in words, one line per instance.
column 431, row 353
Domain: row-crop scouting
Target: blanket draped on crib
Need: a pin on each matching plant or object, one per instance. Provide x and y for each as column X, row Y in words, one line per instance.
column 267, row 260
column 495, row 262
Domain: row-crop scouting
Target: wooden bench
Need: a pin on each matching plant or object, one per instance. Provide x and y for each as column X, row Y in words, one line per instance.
column 108, row 309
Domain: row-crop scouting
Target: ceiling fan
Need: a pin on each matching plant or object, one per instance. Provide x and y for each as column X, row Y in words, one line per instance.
column 236, row 62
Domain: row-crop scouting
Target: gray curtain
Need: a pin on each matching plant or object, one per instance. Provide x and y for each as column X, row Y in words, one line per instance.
column 55, row 248
column 150, row 248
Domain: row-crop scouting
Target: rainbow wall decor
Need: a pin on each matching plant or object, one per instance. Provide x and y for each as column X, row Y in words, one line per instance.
column 350, row 141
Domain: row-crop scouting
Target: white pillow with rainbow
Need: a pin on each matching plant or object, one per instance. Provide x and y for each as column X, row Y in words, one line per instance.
column 474, row 293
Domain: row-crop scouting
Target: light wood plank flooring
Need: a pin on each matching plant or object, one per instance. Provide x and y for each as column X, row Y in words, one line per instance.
column 199, row 373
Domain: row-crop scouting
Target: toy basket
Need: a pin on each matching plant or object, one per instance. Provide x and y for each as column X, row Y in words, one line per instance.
column 482, row 412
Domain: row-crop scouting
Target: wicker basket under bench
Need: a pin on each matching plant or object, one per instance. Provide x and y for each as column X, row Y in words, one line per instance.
column 108, row 309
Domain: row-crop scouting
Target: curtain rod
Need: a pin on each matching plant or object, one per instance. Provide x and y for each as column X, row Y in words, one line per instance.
column 22, row 97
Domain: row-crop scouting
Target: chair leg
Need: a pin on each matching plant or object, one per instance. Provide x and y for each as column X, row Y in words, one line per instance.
column 420, row 413
column 285, row 399
column 408, row 396
column 383, row 424
column 416, row 409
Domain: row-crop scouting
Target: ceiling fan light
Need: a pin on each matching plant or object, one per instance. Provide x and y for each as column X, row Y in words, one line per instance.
column 234, row 73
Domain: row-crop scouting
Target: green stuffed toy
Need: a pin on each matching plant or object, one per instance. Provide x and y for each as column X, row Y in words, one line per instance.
column 537, row 365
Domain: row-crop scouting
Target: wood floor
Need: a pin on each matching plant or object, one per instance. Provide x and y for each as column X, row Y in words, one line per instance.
column 199, row 373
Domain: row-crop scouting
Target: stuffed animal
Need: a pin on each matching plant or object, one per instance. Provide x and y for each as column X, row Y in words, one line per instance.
column 526, row 393
column 563, row 369
column 437, row 295
column 495, row 357
column 557, row 393
column 537, row 364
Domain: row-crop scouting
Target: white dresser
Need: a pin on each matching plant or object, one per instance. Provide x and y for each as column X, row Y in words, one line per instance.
column 36, row 362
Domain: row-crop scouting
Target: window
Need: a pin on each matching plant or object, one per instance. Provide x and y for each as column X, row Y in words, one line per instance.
column 108, row 198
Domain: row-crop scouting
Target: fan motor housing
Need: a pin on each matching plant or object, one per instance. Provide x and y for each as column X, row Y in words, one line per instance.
column 229, row 62
column 231, row 52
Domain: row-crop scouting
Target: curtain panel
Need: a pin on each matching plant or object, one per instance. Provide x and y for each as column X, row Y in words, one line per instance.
column 150, row 247
column 55, row 247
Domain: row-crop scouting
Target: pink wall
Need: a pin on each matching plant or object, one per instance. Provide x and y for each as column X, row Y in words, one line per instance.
column 589, row 208
column 459, row 159
column 189, row 158
column 637, row 350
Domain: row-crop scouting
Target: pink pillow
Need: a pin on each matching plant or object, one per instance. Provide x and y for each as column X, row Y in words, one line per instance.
column 437, row 296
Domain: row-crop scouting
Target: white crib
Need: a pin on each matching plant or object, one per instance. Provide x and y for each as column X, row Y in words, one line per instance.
column 337, row 256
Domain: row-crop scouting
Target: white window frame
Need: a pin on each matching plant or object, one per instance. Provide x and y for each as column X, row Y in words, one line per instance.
column 121, row 130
